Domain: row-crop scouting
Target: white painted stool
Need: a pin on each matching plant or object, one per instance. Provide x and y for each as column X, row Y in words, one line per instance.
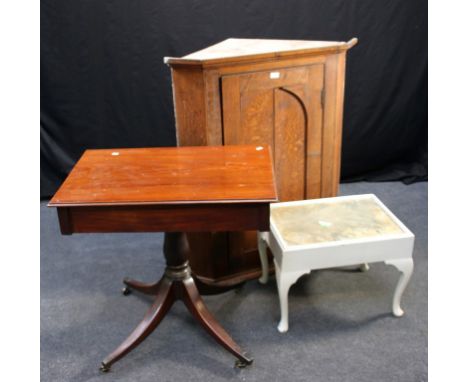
column 333, row 232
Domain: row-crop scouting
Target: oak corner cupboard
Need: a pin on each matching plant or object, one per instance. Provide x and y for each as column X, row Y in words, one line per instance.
column 284, row 93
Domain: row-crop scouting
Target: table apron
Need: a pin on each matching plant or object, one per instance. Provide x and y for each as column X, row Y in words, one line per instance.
column 164, row 218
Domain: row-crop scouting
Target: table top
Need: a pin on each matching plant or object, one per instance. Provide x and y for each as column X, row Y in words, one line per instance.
column 169, row 175
column 334, row 219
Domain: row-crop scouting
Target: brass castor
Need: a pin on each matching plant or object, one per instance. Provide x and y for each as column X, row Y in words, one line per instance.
column 104, row 368
column 240, row 364
column 126, row 291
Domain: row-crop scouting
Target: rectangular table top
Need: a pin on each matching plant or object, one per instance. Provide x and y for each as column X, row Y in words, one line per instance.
column 169, row 175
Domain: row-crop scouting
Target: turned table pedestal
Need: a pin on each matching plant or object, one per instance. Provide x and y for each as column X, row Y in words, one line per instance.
column 171, row 190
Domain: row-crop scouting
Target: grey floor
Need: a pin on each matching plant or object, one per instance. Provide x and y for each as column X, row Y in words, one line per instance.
column 341, row 327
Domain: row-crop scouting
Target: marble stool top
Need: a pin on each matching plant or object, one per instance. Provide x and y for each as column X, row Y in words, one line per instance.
column 332, row 219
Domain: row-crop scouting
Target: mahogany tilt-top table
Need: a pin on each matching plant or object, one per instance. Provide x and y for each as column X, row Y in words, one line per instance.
column 172, row 190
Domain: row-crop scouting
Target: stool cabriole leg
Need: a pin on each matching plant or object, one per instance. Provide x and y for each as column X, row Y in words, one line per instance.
column 405, row 266
column 262, row 250
column 284, row 282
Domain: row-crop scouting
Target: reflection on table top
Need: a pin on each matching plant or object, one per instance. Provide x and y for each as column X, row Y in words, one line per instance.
column 169, row 175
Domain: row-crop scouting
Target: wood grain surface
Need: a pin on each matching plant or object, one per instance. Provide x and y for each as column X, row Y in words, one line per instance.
column 169, row 175
column 164, row 218
column 238, row 50
column 284, row 93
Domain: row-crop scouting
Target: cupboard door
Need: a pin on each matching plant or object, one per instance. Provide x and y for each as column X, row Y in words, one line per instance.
column 282, row 108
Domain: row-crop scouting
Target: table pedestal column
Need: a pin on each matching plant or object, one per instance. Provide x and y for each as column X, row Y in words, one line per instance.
column 177, row 283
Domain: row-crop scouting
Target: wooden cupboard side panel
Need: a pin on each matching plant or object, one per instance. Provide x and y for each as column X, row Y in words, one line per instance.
column 189, row 106
column 231, row 110
column 314, row 132
column 340, row 87
column 332, row 124
column 214, row 124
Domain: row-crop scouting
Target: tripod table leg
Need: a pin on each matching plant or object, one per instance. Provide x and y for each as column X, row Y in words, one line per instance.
column 155, row 314
column 197, row 307
column 144, row 288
